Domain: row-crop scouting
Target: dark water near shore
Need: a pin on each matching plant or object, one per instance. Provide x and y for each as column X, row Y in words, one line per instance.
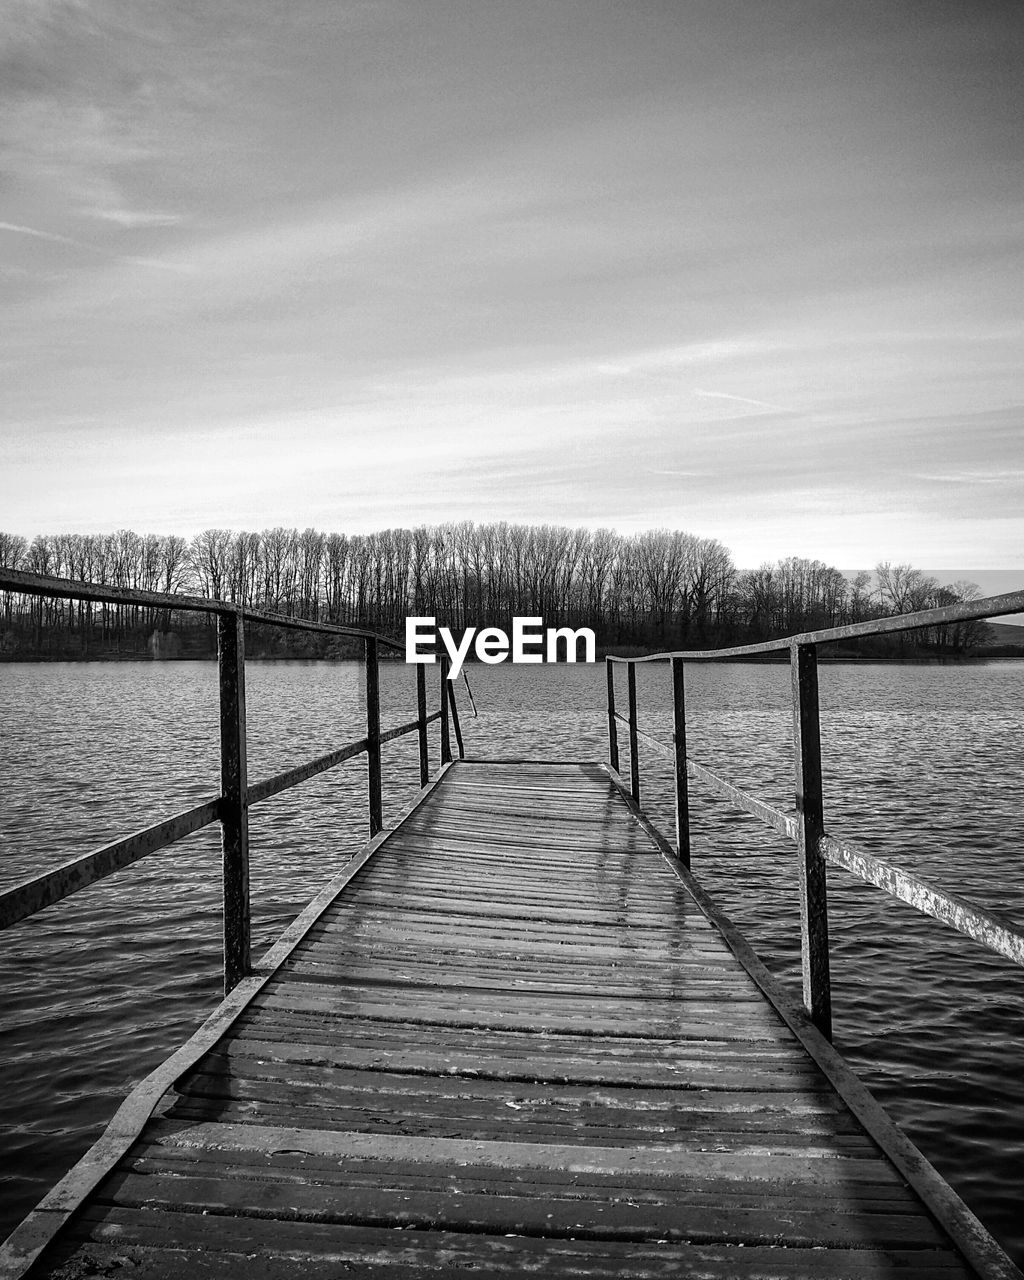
column 922, row 765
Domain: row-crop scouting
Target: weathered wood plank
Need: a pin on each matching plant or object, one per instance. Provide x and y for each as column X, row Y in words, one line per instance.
column 453, row 978
column 686, row 1017
column 229, row 1060
column 455, row 1208
column 490, row 871
column 359, row 955
column 298, row 1167
column 488, row 1157
column 174, row 1243
column 515, row 1044
column 283, row 1105
column 701, row 1071
column 618, row 1113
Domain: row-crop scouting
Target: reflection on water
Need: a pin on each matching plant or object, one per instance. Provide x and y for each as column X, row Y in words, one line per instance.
column 921, row 764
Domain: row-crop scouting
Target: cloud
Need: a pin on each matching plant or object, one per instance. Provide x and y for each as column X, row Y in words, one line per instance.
column 1004, row 477
column 667, row 359
column 472, row 242
column 758, row 404
column 101, row 108
column 133, row 218
column 55, row 238
column 17, row 229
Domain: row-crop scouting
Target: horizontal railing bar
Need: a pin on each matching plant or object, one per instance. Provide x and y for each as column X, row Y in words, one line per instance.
column 961, row 914
column 389, row 735
column 303, row 772
column 72, row 589
column 30, row 896
column 991, row 607
column 325, row 628
column 659, row 748
column 783, row 823
column 69, row 589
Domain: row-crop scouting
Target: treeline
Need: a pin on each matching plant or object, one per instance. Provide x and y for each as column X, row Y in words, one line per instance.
column 654, row 590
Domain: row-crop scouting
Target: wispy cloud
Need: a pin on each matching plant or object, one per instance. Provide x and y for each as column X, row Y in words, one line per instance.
column 134, row 218
column 1011, row 475
column 55, row 238
column 667, row 359
column 52, row 236
column 758, row 404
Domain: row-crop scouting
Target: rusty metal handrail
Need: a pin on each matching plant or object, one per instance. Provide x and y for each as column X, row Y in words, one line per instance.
column 805, row 825
column 968, row 611
column 69, row 589
column 987, row 927
column 231, row 807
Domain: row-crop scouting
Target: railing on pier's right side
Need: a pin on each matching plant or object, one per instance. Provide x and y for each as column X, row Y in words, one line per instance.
column 806, row 825
column 237, row 794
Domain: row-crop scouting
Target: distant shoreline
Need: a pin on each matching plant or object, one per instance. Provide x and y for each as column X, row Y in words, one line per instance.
column 781, row 659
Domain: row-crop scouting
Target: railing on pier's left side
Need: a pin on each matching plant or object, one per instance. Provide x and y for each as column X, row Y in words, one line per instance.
column 805, row 826
column 237, row 794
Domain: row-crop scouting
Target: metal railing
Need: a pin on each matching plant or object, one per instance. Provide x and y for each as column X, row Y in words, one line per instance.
column 237, row 794
column 805, row 826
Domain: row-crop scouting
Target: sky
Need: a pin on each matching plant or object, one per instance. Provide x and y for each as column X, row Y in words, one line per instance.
column 751, row 270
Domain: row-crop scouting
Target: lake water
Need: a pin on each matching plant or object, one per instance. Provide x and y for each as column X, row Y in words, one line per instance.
column 922, row 764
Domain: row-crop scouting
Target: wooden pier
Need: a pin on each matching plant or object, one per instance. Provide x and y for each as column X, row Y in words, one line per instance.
column 511, row 1039
column 513, row 1036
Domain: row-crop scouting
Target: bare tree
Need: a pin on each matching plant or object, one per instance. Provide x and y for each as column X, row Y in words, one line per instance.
column 208, row 561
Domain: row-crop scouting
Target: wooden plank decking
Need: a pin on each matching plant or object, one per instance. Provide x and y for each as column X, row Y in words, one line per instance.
column 515, row 1044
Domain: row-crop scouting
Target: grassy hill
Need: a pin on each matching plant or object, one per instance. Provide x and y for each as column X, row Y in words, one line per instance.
column 1007, row 639
column 1007, row 633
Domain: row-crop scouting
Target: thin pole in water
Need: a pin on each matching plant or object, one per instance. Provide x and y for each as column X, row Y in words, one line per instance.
column 373, row 780
column 613, row 731
column 234, row 807
column 679, row 737
column 814, row 957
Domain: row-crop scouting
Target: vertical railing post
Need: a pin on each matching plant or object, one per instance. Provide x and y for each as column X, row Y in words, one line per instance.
column 446, row 745
column 455, row 719
column 234, row 809
column 679, row 738
column 373, row 784
column 634, row 755
column 814, row 958
column 613, row 728
column 421, row 721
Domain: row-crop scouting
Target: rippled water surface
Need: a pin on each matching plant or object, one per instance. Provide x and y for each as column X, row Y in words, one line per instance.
column 922, row 765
